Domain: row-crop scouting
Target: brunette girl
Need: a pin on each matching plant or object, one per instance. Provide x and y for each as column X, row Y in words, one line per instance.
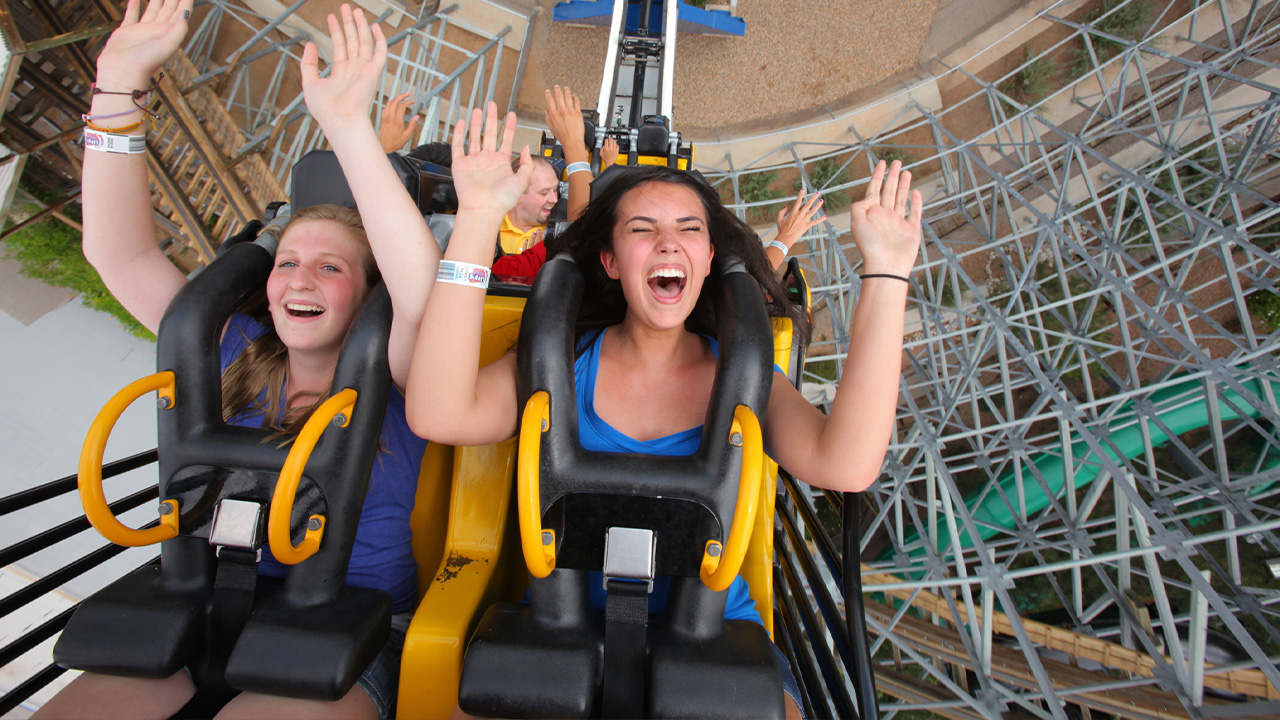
column 647, row 247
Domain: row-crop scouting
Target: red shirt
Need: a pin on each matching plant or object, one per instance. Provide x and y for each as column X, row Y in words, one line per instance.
column 522, row 267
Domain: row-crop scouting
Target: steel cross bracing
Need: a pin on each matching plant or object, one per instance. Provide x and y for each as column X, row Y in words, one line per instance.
column 1090, row 378
column 436, row 58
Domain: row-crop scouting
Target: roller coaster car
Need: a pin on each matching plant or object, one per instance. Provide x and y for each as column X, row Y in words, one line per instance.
column 653, row 143
column 311, row 635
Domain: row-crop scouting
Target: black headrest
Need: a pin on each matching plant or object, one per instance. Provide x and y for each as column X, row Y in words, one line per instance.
column 654, row 137
column 317, row 178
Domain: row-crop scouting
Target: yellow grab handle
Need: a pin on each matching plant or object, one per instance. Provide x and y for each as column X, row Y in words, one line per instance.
column 720, row 565
column 95, row 443
column 539, row 545
column 338, row 407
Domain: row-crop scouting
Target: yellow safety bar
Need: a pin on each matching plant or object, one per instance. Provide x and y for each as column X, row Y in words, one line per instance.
column 92, row 497
column 539, row 545
column 720, row 565
column 336, row 409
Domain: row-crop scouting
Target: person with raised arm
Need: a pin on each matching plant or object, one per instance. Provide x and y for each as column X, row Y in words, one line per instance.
column 277, row 354
column 793, row 221
column 650, row 248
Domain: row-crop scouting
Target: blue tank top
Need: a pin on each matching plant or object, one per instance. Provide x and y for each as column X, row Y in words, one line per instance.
column 382, row 557
column 596, row 434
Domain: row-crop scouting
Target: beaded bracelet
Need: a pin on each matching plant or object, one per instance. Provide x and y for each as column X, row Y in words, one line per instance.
column 87, row 117
column 119, row 130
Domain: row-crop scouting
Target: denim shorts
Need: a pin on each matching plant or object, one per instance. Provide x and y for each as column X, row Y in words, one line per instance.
column 789, row 684
column 381, row 680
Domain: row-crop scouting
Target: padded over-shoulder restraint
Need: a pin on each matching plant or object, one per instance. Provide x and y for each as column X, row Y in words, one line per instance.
column 546, row 659
column 310, row 637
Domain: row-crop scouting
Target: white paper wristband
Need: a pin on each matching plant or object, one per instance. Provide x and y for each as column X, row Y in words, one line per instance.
column 777, row 244
column 460, row 273
column 99, row 141
column 577, row 167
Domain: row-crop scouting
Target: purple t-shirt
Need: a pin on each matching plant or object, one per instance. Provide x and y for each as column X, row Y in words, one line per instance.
column 382, row 557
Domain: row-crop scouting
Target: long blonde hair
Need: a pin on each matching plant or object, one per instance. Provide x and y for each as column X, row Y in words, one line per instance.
column 264, row 364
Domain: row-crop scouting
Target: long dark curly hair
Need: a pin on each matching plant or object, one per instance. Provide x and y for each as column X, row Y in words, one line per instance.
column 603, row 303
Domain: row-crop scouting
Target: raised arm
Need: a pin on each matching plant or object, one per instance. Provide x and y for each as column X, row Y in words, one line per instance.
column 119, row 231
column 793, row 221
column 564, row 118
column 844, row 451
column 394, row 132
column 406, row 252
column 450, row 399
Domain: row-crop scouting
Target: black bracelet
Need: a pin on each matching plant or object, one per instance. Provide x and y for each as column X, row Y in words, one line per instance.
column 885, row 275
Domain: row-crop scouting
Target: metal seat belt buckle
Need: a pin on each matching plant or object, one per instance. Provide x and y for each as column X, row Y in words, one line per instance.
column 238, row 524
column 629, row 554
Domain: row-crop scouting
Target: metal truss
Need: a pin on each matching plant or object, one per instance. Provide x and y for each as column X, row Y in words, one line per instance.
column 1089, row 395
column 257, row 82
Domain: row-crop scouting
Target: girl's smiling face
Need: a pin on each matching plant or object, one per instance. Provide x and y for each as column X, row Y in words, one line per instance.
column 661, row 252
column 317, row 285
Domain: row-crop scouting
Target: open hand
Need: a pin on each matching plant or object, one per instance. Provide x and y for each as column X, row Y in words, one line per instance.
column 142, row 43
column 394, row 132
column 796, row 219
column 887, row 235
column 564, row 119
column 359, row 54
column 482, row 174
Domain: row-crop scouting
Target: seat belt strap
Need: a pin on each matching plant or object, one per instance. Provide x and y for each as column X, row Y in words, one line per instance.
column 629, row 555
column 626, row 618
column 237, row 531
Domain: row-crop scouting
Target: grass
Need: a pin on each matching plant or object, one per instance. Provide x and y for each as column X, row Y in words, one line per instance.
column 50, row 251
column 890, row 154
column 1264, row 306
column 1031, row 83
column 825, row 173
column 1129, row 22
column 758, row 187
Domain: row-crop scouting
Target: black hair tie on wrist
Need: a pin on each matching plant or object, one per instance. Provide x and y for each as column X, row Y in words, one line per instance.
column 885, row 275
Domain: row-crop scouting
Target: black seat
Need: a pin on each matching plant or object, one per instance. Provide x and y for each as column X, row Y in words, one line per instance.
column 654, row 136
column 548, row 658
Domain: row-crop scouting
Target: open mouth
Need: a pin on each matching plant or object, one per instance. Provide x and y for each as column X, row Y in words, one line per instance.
column 303, row 310
column 667, row 283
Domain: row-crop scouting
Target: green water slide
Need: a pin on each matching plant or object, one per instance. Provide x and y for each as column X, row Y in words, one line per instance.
column 1180, row 408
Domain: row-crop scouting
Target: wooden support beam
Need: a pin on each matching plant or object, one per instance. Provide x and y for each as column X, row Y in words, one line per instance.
column 80, row 61
column 73, row 104
column 210, row 154
column 193, row 227
column 69, row 37
column 1009, row 666
column 1246, row 681
column 42, row 215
